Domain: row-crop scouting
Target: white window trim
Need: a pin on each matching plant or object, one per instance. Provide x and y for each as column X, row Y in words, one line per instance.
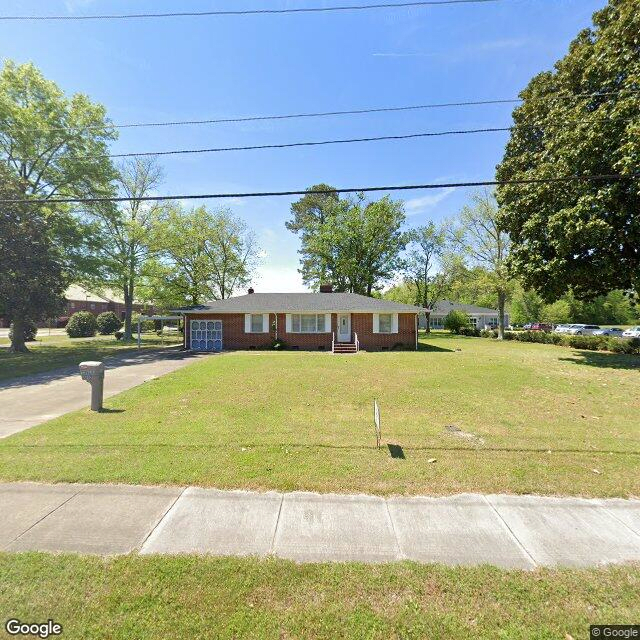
column 289, row 322
column 247, row 323
column 394, row 323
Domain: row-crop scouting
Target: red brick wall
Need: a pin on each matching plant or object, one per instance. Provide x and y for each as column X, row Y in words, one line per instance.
column 234, row 337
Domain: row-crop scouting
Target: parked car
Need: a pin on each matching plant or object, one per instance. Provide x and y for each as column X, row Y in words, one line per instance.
column 541, row 326
column 562, row 328
column 582, row 329
column 527, row 326
column 616, row 332
column 633, row 332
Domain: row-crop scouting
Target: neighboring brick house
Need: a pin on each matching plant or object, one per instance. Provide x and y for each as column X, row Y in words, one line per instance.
column 344, row 322
column 80, row 299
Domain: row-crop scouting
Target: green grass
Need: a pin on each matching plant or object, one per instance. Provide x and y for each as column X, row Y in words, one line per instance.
column 53, row 352
column 535, row 419
column 196, row 598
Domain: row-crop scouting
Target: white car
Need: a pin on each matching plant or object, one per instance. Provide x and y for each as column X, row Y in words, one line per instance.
column 609, row 331
column 582, row 329
column 633, row 332
column 562, row 328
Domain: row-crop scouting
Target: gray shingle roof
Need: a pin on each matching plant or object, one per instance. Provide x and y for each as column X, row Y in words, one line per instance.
column 298, row 302
column 443, row 307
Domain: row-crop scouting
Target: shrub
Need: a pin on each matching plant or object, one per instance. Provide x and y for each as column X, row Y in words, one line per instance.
column 118, row 335
column 108, row 323
column 278, row 345
column 29, row 332
column 82, row 324
column 620, row 345
column 469, row 331
column 455, row 321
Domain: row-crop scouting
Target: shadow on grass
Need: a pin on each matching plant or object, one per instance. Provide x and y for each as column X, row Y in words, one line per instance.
column 396, row 451
column 432, row 347
column 604, row 360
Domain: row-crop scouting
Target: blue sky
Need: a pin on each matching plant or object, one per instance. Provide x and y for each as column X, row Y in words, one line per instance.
column 196, row 68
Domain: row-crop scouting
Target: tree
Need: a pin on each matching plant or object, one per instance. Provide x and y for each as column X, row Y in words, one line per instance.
column 53, row 145
column 526, row 306
column 579, row 119
column 354, row 244
column 57, row 146
column 33, row 277
column 479, row 236
column 427, row 248
column 125, row 231
column 201, row 255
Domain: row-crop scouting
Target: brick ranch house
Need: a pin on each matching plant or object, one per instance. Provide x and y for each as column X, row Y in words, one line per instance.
column 325, row 321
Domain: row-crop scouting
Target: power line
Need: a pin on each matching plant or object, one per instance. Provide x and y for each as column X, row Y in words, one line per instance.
column 248, row 12
column 265, row 194
column 321, row 114
column 316, row 143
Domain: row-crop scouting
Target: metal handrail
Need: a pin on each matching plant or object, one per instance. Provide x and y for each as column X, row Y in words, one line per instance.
column 355, row 335
column 333, row 341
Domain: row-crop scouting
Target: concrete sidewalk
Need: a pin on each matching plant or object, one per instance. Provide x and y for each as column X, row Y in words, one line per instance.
column 29, row 400
column 507, row 531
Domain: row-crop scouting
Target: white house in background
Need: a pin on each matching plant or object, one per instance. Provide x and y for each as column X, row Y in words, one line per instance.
column 480, row 317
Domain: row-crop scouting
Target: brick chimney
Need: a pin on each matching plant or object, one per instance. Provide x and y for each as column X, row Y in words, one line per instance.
column 326, row 288
column 250, row 290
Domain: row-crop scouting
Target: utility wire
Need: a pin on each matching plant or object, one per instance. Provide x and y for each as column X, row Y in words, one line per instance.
column 248, row 12
column 266, row 194
column 322, row 114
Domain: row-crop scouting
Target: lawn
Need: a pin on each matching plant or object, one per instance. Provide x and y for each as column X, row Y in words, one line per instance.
column 191, row 597
column 462, row 414
column 53, row 352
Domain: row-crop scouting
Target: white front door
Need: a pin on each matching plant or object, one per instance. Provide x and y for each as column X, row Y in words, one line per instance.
column 344, row 327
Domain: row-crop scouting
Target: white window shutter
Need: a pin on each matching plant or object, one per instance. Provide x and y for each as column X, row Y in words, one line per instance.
column 247, row 323
column 327, row 323
column 376, row 323
column 394, row 323
column 265, row 323
column 288, row 323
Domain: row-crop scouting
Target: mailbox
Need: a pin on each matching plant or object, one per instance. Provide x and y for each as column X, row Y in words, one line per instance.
column 93, row 373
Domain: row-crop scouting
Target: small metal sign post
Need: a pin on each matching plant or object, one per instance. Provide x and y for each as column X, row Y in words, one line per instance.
column 376, row 421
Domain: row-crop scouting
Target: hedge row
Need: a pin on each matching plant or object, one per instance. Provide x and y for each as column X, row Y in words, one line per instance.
column 591, row 343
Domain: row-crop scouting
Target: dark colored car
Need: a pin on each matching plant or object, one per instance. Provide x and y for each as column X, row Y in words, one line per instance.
column 541, row 326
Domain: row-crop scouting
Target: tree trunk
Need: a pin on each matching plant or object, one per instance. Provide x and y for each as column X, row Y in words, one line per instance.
column 427, row 315
column 501, row 302
column 17, row 336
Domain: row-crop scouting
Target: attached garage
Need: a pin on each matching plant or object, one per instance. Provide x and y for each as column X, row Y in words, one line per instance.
column 206, row 335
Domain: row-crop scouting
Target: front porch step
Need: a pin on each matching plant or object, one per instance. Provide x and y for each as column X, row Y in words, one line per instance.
column 345, row 347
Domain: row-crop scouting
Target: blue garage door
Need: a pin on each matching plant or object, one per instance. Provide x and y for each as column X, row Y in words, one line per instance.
column 206, row 335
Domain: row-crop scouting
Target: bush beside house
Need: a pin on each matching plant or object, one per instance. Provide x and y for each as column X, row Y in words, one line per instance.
column 82, row 324
column 455, row 321
column 108, row 323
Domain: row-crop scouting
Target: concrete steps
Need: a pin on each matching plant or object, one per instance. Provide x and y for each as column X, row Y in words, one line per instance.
column 345, row 347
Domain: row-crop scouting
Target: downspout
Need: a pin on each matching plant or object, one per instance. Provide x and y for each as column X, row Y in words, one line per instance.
column 276, row 327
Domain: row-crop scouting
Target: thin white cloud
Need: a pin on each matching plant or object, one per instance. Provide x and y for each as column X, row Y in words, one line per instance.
column 424, row 203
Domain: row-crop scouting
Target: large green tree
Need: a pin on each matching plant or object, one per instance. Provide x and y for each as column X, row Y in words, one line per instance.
column 478, row 235
column 33, row 275
column 125, row 231
column 580, row 119
column 199, row 255
column 427, row 245
column 354, row 244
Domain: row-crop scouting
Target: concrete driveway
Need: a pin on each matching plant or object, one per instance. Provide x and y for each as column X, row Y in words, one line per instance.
column 31, row 400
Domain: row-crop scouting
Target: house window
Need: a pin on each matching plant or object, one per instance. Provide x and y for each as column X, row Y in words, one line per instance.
column 307, row 323
column 256, row 323
column 474, row 321
column 385, row 323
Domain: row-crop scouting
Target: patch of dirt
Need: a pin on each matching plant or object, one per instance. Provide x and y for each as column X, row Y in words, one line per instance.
column 457, row 432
